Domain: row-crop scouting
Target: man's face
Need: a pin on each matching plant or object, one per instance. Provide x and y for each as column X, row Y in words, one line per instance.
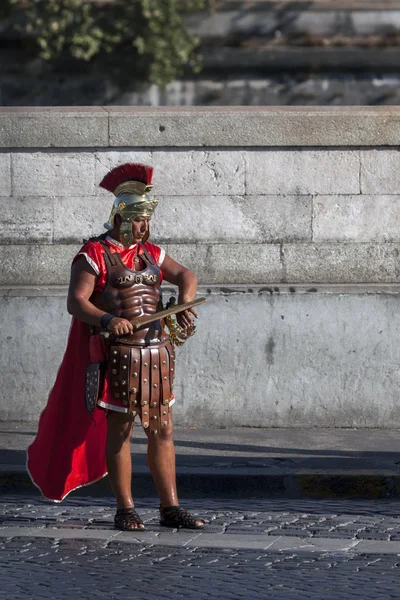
column 140, row 226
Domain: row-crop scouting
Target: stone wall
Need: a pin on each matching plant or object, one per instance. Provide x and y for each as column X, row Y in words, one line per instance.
column 290, row 219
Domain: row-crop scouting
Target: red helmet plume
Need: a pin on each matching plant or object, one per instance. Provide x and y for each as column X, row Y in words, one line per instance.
column 127, row 172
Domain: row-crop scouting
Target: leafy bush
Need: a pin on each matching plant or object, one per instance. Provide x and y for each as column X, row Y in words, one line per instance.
column 150, row 34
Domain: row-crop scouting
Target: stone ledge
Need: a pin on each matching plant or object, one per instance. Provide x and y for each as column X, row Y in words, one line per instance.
column 226, row 264
column 58, row 127
column 209, row 291
column 146, row 127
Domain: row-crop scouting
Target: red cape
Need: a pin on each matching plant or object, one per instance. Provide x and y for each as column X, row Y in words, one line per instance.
column 69, row 449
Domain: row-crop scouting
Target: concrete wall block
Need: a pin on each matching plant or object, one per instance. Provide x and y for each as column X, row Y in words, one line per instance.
column 5, row 174
column 29, row 363
column 317, row 360
column 229, row 263
column 302, row 172
column 53, row 174
column 342, row 263
column 80, row 218
column 197, row 173
column 232, row 219
column 205, row 219
column 380, row 171
column 36, row 265
column 26, row 221
column 261, row 126
column 52, row 127
column 280, row 218
column 356, row 218
column 108, row 159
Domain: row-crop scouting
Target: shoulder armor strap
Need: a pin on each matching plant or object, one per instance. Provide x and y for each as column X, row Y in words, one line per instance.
column 147, row 255
column 109, row 256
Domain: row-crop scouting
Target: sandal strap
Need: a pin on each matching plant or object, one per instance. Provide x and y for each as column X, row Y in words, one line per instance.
column 125, row 517
column 178, row 515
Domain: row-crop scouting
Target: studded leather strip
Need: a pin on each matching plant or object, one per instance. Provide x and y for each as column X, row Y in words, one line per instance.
column 124, row 364
column 114, row 364
column 145, row 387
column 165, row 385
column 155, row 392
column 171, row 351
column 134, row 385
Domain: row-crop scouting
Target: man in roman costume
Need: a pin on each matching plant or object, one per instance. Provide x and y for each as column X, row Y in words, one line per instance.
column 126, row 371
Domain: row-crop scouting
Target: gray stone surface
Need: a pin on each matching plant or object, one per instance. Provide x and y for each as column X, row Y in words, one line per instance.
column 359, row 218
column 137, row 127
column 341, row 263
column 265, row 127
column 80, row 217
column 302, row 172
column 27, row 220
column 5, row 174
column 34, row 337
column 72, row 127
column 380, row 171
column 244, row 552
column 36, row 264
column 194, row 172
column 227, row 263
column 258, row 359
column 308, row 357
column 53, row 174
column 189, row 219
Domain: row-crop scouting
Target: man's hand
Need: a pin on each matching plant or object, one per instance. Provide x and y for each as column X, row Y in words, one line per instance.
column 185, row 319
column 119, row 326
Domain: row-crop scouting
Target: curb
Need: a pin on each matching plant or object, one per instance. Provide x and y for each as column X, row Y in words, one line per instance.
column 202, row 483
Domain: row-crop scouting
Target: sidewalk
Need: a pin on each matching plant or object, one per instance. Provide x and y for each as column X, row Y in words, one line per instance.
column 244, row 462
column 269, row 549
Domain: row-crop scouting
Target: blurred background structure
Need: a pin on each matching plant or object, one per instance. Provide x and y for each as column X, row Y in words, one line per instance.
column 254, row 52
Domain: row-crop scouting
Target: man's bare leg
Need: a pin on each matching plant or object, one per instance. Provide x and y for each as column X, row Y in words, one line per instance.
column 119, row 462
column 161, row 461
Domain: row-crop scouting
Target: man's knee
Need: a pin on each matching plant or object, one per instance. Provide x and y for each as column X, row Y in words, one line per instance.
column 164, row 434
column 119, row 428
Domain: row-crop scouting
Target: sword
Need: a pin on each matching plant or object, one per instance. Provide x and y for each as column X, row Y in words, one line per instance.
column 172, row 310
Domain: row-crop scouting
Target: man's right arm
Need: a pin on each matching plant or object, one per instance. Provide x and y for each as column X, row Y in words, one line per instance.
column 81, row 287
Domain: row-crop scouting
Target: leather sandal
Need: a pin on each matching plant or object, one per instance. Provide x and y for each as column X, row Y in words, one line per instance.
column 127, row 519
column 176, row 516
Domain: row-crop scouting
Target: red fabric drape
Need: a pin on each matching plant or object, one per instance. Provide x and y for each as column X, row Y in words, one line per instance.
column 69, row 449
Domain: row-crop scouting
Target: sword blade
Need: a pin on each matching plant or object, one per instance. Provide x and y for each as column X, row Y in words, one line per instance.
column 173, row 310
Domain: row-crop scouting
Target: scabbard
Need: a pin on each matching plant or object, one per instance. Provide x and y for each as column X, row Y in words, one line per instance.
column 173, row 310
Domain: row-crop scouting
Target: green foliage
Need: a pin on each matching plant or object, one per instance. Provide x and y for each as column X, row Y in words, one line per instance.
column 152, row 34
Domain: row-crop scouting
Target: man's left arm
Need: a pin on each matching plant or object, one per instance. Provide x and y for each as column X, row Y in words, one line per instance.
column 186, row 281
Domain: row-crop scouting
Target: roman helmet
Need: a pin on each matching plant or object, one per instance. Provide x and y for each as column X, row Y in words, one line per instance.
column 130, row 184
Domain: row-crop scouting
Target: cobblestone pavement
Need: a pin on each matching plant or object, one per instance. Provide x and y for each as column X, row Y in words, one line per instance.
column 272, row 549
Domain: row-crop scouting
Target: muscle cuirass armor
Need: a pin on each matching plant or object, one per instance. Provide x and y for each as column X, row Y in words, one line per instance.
column 142, row 364
column 130, row 294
